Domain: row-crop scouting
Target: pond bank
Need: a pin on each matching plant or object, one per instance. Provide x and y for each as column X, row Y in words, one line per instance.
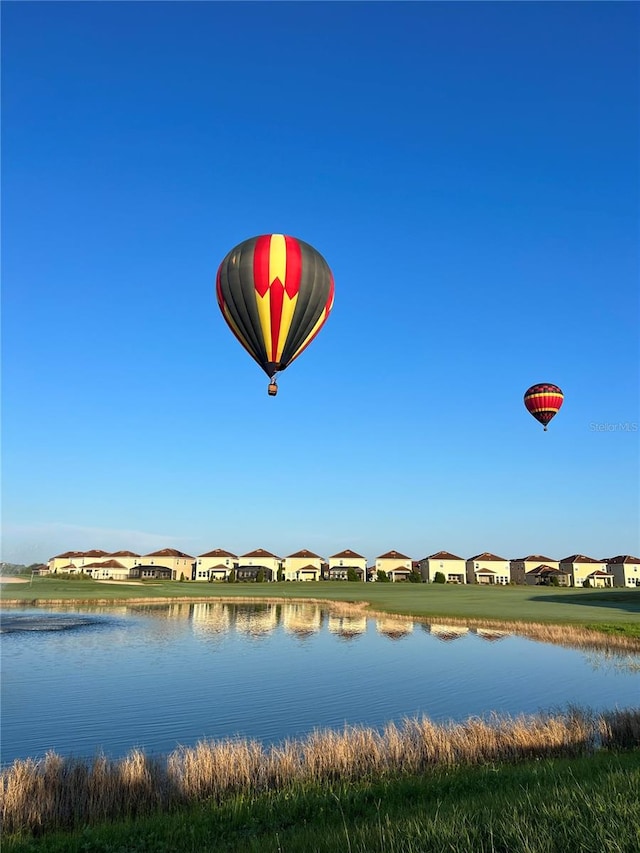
column 572, row 636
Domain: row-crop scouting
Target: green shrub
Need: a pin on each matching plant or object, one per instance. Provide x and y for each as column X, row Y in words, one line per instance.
column 415, row 577
column 232, row 576
column 352, row 575
column 439, row 578
column 383, row 577
column 260, row 576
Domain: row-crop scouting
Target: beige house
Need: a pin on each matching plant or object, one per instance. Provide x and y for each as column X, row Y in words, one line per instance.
column 522, row 565
column 452, row 567
column 156, row 564
column 302, row 566
column 84, row 558
column 249, row 565
column 107, row 570
column 543, row 575
column 216, row 565
column 579, row 568
column 488, row 568
column 74, row 562
column 63, row 562
column 340, row 563
column 625, row 570
column 396, row 565
column 126, row 558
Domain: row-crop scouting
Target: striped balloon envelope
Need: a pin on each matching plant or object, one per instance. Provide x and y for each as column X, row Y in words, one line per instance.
column 275, row 293
column 543, row 401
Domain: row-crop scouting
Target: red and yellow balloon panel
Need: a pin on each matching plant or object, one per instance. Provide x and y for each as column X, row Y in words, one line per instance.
column 275, row 293
column 543, row 401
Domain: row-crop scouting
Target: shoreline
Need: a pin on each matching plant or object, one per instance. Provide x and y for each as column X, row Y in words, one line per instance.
column 555, row 633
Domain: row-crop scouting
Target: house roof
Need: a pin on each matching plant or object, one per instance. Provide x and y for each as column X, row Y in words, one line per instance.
column 347, row 553
column 444, row 555
column 393, row 555
column 622, row 558
column 579, row 558
column 544, row 570
column 532, row 558
column 66, row 555
column 95, row 553
column 600, row 573
column 168, row 552
column 485, row 572
column 219, row 552
column 305, row 553
column 122, row 554
column 308, row 568
column 107, row 564
column 260, row 552
column 488, row 556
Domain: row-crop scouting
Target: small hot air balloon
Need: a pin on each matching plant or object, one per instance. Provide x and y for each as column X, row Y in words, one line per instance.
column 544, row 401
column 275, row 293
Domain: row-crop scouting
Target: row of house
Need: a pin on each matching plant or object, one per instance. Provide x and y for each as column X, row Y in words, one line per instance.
column 576, row 570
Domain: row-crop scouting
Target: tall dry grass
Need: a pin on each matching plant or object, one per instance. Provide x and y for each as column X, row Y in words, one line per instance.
column 59, row 793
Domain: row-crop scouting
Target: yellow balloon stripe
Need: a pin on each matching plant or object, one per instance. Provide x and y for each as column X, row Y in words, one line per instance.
column 277, row 258
column 288, row 307
column 544, row 394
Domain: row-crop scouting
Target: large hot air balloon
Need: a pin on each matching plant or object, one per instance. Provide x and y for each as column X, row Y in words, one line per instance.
column 543, row 401
column 275, row 292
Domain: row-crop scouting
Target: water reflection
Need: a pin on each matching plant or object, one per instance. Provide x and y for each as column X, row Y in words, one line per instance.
column 446, row 633
column 347, row 627
column 158, row 675
column 395, row 628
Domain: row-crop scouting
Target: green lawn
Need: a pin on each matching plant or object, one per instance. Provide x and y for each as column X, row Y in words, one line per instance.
column 578, row 805
column 586, row 607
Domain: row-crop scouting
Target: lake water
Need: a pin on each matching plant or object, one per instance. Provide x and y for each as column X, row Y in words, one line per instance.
column 157, row 677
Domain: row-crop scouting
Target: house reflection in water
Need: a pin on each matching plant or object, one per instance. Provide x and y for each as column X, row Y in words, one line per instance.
column 348, row 627
column 301, row 619
column 447, row 633
column 491, row 634
column 395, row 628
column 211, row 618
column 257, row 620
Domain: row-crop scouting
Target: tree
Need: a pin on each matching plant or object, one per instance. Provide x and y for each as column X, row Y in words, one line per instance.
column 280, row 574
column 352, row 575
column 383, row 577
column 439, row 578
column 232, row 576
column 260, row 576
column 415, row 577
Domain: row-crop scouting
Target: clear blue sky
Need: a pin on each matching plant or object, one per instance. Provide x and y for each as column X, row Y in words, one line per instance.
column 470, row 173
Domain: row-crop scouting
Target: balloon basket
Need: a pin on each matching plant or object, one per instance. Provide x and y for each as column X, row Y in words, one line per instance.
column 272, row 390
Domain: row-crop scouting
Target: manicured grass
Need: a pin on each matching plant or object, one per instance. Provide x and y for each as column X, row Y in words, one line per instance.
column 577, row 805
column 613, row 610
